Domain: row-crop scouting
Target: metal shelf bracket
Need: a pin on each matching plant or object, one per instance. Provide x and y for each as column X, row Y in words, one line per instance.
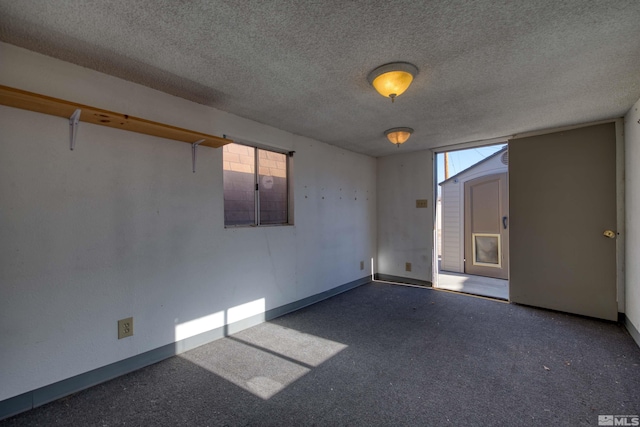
column 74, row 122
column 194, row 153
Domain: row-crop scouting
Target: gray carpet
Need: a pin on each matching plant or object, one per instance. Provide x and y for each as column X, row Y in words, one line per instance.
column 379, row 355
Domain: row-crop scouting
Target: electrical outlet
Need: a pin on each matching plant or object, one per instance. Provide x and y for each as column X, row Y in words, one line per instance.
column 407, row 266
column 361, row 265
column 125, row 327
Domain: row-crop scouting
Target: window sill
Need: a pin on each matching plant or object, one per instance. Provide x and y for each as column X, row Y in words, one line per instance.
column 240, row 226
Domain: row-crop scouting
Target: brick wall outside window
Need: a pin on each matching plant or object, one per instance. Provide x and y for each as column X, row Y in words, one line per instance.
column 240, row 197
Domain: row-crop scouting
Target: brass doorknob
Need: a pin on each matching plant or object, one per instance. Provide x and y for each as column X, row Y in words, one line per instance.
column 610, row 234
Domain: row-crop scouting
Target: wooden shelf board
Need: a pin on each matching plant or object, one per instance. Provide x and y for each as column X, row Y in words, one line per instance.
column 58, row 107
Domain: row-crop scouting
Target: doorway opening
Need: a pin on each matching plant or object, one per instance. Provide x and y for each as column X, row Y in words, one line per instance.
column 472, row 221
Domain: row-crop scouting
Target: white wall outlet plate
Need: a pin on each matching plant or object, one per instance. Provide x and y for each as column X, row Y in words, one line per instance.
column 125, row 327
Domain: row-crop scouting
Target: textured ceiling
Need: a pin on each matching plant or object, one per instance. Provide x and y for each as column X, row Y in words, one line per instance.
column 488, row 68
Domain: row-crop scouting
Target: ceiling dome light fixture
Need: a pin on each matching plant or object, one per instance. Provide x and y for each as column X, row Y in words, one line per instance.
column 398, row 135
column 391, row 80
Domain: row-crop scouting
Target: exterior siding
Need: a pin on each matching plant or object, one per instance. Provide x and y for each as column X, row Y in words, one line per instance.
column 451, row 231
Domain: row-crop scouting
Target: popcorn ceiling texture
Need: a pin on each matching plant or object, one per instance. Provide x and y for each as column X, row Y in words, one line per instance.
column 487, row 69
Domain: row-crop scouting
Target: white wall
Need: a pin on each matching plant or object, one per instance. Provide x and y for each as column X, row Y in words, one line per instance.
column 632, row 223
column 405, row 233
column 122, row 227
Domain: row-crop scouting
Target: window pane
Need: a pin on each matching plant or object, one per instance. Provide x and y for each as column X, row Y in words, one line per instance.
column 239, row 184
column 272, row 178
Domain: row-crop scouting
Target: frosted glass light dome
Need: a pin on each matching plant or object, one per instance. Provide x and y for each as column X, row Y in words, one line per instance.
column 398, row 135
column 392, row 80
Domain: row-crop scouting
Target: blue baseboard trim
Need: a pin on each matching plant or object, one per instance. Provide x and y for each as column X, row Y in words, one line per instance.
column 38, row 397
column 15, row 405
column 405, row 280
column 632, row 329
column 297, row 305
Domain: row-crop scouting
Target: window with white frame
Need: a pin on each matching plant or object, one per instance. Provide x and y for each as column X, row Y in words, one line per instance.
column 256, row 186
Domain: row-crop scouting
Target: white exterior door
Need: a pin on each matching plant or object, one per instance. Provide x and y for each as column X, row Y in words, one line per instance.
column 486, row 220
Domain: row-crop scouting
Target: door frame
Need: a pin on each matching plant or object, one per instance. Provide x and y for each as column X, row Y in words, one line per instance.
column 620, row 189
column 435, row 271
